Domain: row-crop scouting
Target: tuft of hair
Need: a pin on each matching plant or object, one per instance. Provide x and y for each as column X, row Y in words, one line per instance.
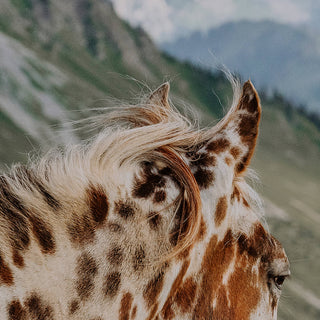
column 236, row 94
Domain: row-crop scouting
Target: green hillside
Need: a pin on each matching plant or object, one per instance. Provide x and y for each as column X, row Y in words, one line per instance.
column 57, row 59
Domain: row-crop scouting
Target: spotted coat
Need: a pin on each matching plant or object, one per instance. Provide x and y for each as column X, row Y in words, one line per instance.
column 154, row 221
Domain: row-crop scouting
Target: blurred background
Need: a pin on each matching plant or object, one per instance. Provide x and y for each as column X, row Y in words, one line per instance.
column 60, row 57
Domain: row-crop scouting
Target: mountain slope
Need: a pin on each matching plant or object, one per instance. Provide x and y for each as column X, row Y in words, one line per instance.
column 272, row 54
column 59, row 57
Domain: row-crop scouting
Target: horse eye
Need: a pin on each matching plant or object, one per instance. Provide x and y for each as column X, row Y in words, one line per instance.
column 279, row 280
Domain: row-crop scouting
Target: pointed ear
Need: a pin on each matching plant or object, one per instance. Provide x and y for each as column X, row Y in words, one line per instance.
column 246, row 123
column 237, row 132
column 160, row 95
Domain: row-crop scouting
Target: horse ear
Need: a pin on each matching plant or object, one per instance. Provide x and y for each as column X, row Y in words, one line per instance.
column 238, row 130
column 160, row 96
column 246, row 124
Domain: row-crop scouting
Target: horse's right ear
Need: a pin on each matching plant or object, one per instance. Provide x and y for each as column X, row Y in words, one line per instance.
column 160, row 96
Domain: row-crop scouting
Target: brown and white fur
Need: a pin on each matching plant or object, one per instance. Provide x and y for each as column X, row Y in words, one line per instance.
column 152, row 219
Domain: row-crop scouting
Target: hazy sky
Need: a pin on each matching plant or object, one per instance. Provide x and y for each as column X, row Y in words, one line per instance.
column 165, row 20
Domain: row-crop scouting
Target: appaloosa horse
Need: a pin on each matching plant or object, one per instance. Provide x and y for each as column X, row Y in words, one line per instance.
column 152, row 219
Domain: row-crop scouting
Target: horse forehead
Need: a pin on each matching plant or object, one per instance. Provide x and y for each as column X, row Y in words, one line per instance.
column 267, row 247
column 279, row 261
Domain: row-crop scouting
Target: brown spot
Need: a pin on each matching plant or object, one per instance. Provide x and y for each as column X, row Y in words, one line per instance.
column 134, row 312
column 202, row 230
column 86, row 270
column 183, row 255
column 219, row 145
column 228, row 161
column 28, row 178
column 154, row 220
column 248, row 130
column 245, row 202
column 16, row 311
column 125, row 306
column 115, row 256
column 73, row 307
column 241, row 166
column 125, row 209
column 185, row 295
column 166, row 171
column 31, row 182
column 243, row 243
column 48, row 197
column 202, row 159
column 216, row 261
column 235, row 193
column 235, row 152
column 153, row 289
column 258, row 244
column 167, row 311
column 138, row 259
column 17, row 225
column 114, row 227
column 112, row 284
column 98, row 203
column 81, row 230
column 38, row 310
column 9, row 198
column 43, row 235
column 17, row 259
column 204, row 178
column 145, row 187
column 159, row 196
column 221, row 211
column 5, row 273
column 249, row 99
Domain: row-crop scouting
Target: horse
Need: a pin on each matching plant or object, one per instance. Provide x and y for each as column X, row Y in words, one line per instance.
column 150, row 219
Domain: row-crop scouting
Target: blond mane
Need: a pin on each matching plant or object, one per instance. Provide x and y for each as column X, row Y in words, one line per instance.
column 129, row 136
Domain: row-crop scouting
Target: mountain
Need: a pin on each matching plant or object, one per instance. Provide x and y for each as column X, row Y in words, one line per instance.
column 274, row 55
column 59, row 58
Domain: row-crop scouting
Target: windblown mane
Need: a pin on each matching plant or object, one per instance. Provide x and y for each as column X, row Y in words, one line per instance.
column 130, row 136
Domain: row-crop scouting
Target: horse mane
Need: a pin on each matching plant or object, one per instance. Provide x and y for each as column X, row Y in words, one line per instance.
column 147, row 132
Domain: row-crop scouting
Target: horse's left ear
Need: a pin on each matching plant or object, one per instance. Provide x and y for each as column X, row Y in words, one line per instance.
column 246, row 123
column 160, row 96
column 239, row 129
